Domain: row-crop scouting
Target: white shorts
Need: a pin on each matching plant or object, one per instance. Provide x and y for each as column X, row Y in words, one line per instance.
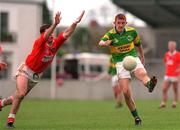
column 123, row 73
column 24, row 70
column 114, row 80
column 171, row 78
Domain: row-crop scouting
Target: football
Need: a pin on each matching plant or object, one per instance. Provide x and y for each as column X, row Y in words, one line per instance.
column 129, row 63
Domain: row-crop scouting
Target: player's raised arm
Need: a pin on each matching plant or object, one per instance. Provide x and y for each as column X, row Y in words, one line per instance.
column 50, row 30
column 71, row 29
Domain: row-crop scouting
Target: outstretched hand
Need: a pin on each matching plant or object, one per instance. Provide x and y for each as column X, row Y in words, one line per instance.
column 79, row 18
column 57, row 18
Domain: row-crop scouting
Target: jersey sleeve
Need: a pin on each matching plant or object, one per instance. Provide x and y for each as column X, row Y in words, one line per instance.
column 106, row 37
column 59, row 41
column 137, row 40
column 39, row 41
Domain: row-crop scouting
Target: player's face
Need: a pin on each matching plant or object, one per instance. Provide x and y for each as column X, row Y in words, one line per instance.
column 50, row 39
column 120, row 24
column 172, row 46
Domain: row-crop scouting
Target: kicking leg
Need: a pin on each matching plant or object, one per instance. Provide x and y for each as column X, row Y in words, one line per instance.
column 150, row 83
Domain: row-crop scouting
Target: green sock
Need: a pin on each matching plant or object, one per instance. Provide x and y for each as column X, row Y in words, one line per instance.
column 134, row 113
column 148, row 84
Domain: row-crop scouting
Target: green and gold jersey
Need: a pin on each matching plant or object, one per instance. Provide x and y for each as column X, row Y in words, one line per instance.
column 123, row 44
column 112, row 67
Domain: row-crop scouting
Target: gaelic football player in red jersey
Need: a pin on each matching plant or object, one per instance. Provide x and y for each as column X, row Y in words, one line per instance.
column 41, row 56
column 172, row 71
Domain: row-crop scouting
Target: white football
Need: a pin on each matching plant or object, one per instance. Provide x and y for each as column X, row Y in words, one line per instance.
column 129, row 63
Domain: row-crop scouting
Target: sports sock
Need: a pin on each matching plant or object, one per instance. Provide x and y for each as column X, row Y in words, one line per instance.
column 148, row 84
column 11, row 118
column 11, row 115
column 134, row 113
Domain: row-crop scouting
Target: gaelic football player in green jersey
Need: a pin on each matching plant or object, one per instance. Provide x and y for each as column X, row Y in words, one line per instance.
column 117, row 90
column 122, row 41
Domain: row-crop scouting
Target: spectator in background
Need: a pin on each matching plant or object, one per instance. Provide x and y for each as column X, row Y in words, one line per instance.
column 172, row 71
column 115, row 85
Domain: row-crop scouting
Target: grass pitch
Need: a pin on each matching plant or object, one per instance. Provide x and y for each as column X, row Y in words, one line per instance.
column 90, row 115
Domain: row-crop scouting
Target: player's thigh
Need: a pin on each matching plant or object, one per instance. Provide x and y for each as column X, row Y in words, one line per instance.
column 140, row 73
column 114, row 81
column 22, row 84
column 166, row 85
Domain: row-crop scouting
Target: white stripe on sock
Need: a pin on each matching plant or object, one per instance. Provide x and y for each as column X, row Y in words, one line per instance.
column 11, row 115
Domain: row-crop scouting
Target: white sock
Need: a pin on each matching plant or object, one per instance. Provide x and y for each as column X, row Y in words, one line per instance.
column 11, row 115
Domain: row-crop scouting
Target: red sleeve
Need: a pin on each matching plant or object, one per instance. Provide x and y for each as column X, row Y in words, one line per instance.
column 39, row 41
column 59, row 41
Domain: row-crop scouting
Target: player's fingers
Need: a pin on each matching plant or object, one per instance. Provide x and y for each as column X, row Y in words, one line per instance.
column 80, row 17
column 82, row 14
column 58, row 14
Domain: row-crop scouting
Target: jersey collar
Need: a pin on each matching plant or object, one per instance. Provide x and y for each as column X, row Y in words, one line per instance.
column 115, row 31
column 174, row 52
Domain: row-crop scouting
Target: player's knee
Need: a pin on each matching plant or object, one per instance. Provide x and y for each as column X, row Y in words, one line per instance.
column 164, row 89
column 20, row 96
column 126, row 93
column 10, row 99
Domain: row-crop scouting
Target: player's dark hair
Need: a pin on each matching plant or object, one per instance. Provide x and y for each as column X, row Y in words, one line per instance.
column 44, row 27
column 120, row 16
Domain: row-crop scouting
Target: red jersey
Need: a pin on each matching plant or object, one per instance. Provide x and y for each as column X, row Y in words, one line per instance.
column 172, row 63
column 42, row 54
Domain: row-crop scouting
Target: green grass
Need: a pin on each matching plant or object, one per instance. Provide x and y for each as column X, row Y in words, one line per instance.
column 90, row 115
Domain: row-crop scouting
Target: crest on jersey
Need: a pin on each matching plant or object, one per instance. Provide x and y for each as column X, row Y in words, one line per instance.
column 129, row 38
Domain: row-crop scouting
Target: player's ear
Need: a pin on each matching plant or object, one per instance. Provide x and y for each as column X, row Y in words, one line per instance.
column 113, row 23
